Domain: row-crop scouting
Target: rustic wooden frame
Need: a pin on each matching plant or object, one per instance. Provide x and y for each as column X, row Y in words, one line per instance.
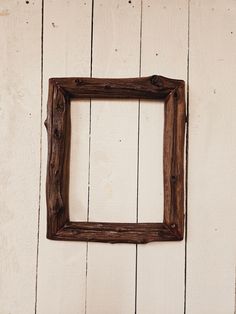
column 61, row 91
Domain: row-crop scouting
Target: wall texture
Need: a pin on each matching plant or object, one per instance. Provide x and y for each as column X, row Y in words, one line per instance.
column 116, row 161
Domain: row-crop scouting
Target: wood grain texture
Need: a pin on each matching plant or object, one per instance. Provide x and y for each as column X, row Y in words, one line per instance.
column 173, row 161
column 115, row 232
column 154, row 87
column 58, row 126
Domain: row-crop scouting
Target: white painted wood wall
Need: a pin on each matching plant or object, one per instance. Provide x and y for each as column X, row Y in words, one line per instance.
column 116, row 156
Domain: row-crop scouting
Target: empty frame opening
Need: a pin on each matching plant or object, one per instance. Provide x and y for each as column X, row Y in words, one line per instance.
column 116, row 161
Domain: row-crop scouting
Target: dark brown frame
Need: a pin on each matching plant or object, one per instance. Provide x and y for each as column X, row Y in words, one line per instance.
column 61, row 91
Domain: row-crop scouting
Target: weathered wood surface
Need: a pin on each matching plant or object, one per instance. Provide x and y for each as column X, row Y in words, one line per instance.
column 58, row 124
column 116, row 232
column 57, row 184
column 173, row 161
column 154, row 87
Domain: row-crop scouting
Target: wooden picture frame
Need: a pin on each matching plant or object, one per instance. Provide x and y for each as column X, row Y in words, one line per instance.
column 61, row 91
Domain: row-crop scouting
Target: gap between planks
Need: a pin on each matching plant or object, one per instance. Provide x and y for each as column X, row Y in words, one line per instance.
column 89, row 156
column 40, row 158
column 186, row 166
column 138, row 153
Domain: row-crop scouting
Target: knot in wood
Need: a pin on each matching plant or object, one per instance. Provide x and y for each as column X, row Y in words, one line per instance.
column 57, row 134
column 60, row 107
column 78, row 82
column 173, row 178
column 107, row 86
column 56, row 173
column 175, row 95
column 155, row 80
column 58, row 210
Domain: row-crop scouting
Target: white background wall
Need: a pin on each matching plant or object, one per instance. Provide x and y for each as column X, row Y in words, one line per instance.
column 116, row 170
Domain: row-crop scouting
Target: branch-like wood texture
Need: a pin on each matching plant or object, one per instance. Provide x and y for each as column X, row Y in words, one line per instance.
column 61, row 90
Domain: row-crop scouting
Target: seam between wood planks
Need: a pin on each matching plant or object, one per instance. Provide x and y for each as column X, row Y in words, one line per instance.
column 138, row 156
column 90, row 120
column 186, row 167
column 40, row 159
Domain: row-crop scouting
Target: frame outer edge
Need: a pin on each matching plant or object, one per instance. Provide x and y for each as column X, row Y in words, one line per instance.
column 58, row 126
column 174, row 175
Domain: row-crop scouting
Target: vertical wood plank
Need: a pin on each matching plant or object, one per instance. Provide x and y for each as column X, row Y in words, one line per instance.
column 20, row 54
column 211, row 249
column 160, row 266
column 79, row 160
column 62, row 265
column 111, row 268
column 151, row 161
